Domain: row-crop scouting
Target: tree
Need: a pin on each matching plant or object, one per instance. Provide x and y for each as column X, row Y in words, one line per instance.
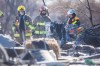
column 58, row 10
column 89, row 9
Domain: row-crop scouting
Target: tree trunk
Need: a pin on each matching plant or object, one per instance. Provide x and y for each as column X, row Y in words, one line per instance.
column 90, row 17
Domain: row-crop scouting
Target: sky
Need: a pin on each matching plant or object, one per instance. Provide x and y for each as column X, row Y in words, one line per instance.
column 48, row 2
column 97, row 0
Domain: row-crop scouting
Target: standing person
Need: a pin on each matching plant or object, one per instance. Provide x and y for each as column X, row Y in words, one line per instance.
column 21, row 22
column 1, row 15
column 72, row 24
column 39, row 23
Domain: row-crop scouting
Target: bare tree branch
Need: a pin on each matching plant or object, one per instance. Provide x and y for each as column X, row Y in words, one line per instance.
column 88, row 7
column 91, row 20
column 83, row 4
column 95, row 11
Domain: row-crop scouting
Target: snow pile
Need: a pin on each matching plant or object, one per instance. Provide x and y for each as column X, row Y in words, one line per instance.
column 6, row 41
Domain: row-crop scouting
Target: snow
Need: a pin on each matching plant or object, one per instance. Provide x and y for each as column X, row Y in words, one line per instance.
column 6, row 41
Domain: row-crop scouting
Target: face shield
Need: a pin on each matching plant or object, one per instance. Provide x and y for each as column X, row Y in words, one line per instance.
column 21, row 12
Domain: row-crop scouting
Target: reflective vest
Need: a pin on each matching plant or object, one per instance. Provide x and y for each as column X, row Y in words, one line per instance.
column 74, row 23
column 40, row 28
column 31, row 27
column 74, row 20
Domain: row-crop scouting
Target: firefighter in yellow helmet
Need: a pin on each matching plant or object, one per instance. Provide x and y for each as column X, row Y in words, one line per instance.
column 22, row 22
column 21, row 8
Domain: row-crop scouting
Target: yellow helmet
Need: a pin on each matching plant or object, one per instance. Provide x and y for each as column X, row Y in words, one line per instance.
column 21, row 7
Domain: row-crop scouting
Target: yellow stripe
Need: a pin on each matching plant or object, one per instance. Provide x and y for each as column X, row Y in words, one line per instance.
column 16, row 35
column 13, row 28
column 1, row 13
column 30, row 26
column 40, row 32
column 41, row 23
column 74, row 22
column 27, row 34
column 27, row 23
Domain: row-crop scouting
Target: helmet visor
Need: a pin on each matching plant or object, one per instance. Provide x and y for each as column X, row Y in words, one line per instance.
column 21, row 12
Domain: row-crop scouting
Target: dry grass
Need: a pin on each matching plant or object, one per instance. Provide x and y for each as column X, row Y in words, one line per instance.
column 52, row 43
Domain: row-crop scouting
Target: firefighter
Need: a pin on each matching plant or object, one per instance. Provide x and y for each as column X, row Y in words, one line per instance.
column 39, row 23
column 22, row 22
column 1, row 15
column 72, row 24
